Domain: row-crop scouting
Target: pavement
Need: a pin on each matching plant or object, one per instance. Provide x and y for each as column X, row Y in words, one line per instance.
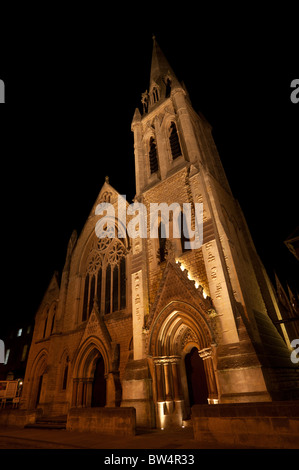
column 44, row 447
column 16, row 438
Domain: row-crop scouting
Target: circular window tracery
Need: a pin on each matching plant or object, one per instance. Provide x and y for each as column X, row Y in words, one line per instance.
column 116, row 252
column 94, row 262
column 103, row 243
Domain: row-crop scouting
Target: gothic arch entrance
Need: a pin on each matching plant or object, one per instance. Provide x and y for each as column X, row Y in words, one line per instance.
column 180, row 344
column 99, row 384
column 196, row 378
column 90, row 373
column 38, row 380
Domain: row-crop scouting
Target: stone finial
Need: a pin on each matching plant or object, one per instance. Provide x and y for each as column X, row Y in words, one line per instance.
column 136, row 118
column 107, row 179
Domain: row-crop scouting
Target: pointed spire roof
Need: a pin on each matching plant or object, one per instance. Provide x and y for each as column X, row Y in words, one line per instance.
column 160, row 66
column 136, row 117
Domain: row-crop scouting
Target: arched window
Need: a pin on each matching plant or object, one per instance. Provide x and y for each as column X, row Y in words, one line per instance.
column 99, row 285
column 108, row 290
column 105, row 279
column 153, row 156
column 174, row 142
column 115, row 278
column 86, row 294
column 92, row 283
column 155, row 95
column 53, row 323
column 46, row 323
column 52, row 316
column 115, row 296
column 91, row 294
column 65, row 374
column 122, row 283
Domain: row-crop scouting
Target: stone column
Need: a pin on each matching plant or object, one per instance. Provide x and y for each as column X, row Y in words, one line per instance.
column 170, row 405
column 88, row 395
column 159, row 381
column 206, row 356
column 84, row 392
column 80, row 393
column 75, row 389
column 176, row 379
column 168, row 391
column 140, row 168
column 138, row 314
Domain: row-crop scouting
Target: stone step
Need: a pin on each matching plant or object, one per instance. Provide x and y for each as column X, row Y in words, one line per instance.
column 49, row 422
column 46, row 425
column 54, row 419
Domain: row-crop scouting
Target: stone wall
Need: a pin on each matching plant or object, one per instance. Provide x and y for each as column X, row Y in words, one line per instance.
column 18, row 418
column 120, row 421
column 273, row 425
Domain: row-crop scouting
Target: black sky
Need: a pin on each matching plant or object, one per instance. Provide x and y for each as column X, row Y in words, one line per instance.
column 73, row 79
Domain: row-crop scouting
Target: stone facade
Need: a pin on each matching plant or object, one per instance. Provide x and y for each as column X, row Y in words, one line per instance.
column 241, row 426
column 135, row 322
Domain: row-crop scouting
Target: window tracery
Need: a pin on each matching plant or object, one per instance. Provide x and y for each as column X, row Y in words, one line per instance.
column 94, row 262
column 105, row 278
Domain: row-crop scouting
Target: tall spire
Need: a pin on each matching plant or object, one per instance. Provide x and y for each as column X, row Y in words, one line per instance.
column 160, row 67
column 162, row 79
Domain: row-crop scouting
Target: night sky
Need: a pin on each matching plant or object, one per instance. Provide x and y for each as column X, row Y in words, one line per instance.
column 73, row 80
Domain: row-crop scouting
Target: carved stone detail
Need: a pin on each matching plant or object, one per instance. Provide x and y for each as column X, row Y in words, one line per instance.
column 137, row 313
column 205, row 353
column 94, row 261
column 214, row 272
column 189, row 337
column 218, row 291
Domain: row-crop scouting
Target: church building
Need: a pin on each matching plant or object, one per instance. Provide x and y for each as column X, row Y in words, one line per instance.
column 144, row 322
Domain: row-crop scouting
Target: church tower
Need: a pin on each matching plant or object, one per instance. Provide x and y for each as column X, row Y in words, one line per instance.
column 203, row 317
column 155, row 321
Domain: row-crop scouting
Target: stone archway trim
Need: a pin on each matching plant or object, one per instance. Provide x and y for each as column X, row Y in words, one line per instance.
column 173, row 315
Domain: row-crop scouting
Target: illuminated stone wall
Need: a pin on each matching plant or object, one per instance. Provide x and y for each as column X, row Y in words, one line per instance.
column 215, row 298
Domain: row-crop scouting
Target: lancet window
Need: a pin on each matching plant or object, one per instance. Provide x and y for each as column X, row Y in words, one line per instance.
column 153, row 156
column 174, row 142
column 155, row 95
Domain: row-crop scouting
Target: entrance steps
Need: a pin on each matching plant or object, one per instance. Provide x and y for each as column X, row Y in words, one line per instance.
column 49, row 422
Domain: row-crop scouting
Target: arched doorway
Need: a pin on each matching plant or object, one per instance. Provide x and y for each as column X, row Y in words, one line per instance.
column 99, row 384
column 180, row 343
column 196, row 378
column 36, row 381
column 91, row 376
